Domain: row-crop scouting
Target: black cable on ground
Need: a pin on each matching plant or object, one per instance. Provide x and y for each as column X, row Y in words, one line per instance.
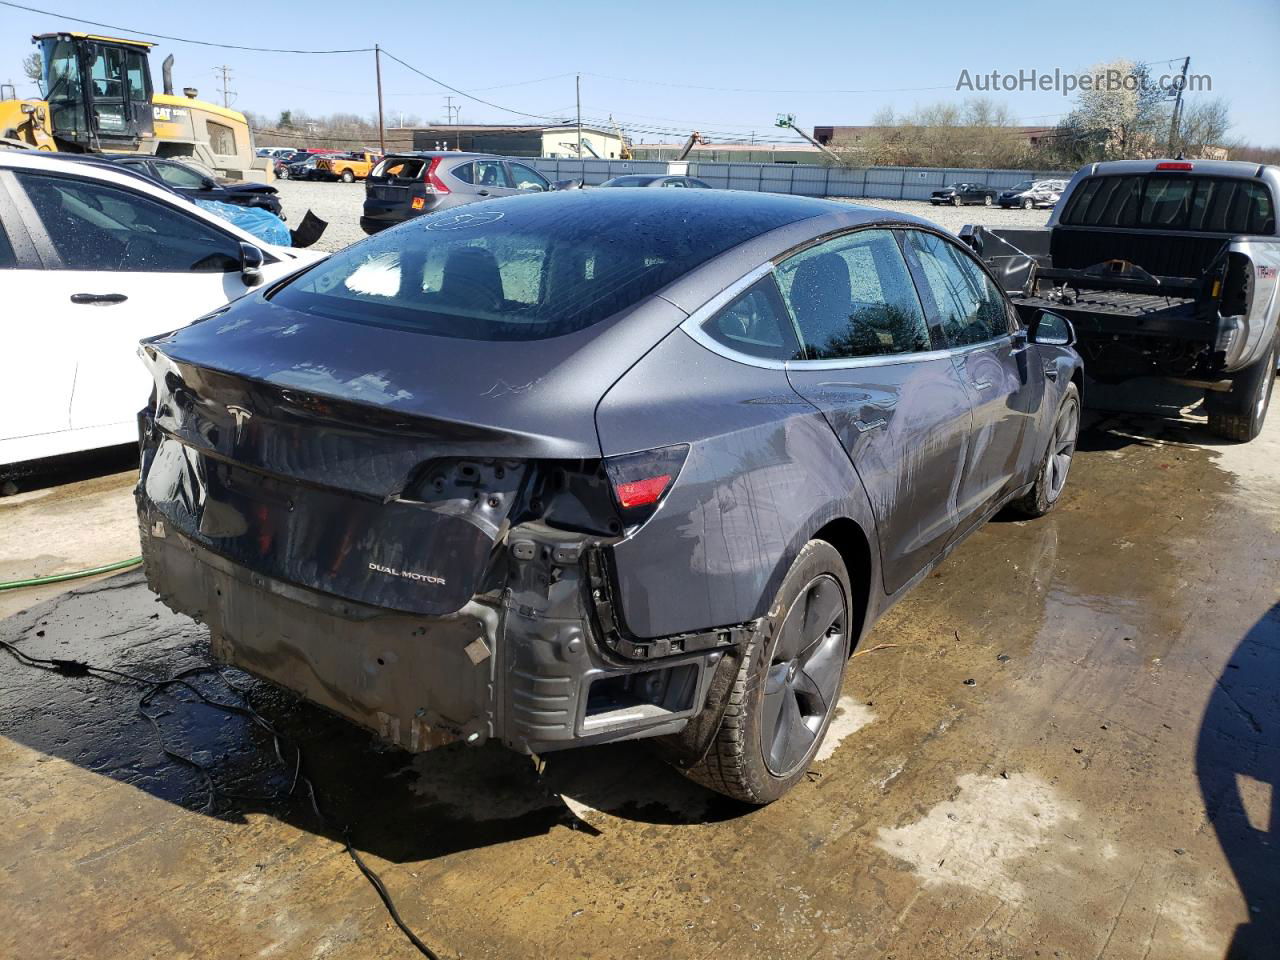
column 243, row 708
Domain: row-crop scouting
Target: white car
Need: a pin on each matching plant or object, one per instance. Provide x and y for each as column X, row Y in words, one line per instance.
column 92, row 260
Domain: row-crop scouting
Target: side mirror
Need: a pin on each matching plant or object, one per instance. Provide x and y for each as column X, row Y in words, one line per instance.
column 1052, row 329
column 208, row 183
column 251, row 259
column 566, row 185
column 28, row 108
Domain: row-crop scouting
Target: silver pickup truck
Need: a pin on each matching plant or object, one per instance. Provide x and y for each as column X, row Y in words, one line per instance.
column 1166, row 268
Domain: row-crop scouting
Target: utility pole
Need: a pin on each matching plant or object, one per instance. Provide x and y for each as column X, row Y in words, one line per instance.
column 225, row 89
column 451, row 113
column 1177, row 108
column 577, row 85
column 377, row 68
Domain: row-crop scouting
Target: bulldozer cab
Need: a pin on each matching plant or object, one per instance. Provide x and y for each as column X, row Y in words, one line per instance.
column 98, row 90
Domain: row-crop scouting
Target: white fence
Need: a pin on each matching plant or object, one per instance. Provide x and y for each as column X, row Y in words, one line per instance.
column 811, row 180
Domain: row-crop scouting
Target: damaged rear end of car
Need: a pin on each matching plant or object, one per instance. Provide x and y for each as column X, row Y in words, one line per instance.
column 381, row 484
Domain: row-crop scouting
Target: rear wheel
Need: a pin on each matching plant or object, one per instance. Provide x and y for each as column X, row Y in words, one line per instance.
column 1240, row 414
column 1051, row 478
column 986, row 200
column 785, row 692
column 348, row 176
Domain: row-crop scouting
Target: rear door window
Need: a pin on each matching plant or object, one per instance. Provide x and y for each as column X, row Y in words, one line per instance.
column 491, row 173
column 853, row 297
column 464, row 172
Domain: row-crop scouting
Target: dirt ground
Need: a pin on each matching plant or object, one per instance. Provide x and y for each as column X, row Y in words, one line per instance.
column 1071, row 750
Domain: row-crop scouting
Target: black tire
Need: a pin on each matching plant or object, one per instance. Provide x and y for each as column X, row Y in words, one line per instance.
column 957, row 201
column 283, row 174
column 987, row 200
column 348, row 176
column 1240, row 414
column 763, row 748
column 1051, row 478
column 1028, row 204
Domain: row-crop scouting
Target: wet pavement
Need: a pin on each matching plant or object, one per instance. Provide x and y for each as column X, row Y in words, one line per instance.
column 1072, row 750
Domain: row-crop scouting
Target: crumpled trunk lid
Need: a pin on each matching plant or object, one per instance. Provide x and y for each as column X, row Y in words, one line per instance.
column 385, row 476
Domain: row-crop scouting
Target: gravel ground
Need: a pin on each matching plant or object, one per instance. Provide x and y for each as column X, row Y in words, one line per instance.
column 339, row 203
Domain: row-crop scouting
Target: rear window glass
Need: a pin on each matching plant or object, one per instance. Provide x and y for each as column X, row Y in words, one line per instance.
column 401, row 168
column 532, row 267
column 629, row 182
column 1156, row 202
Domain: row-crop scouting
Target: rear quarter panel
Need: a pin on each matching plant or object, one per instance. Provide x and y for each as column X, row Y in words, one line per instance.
column 764, row 473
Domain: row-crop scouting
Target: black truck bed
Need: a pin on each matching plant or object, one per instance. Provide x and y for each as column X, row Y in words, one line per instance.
column 1121, row 312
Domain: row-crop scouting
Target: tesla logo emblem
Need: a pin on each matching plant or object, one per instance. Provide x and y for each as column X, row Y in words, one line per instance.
column 239, row 415
column 460, row 220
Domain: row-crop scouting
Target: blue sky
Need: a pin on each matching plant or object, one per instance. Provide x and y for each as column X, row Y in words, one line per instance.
column 653, row 66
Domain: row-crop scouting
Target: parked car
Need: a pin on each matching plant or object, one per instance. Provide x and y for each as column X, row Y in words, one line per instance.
column 304, row 169
column 657, row 180
column 958, row 193
column 1168, row 268
column 407, row 185
column 282, row 162
column 596, row 465
column 1032, row 193
column 103, row 257
column 196, row 184
column 347, row 167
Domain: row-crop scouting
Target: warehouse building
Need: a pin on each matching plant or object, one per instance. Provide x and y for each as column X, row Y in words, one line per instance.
column 519, row 141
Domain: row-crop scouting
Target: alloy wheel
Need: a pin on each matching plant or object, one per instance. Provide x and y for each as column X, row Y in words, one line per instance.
column 803, row 679
column 1062, row 448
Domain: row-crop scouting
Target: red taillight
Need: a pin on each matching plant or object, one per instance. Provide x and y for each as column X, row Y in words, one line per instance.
column 641, row 493
column 1175, row 165
column 641, row 480
column 433, row 179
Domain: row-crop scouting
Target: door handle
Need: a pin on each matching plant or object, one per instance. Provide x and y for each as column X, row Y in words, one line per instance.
column 1051, row 371
column 865, row 427
column 105, row 298
column 982, row 384
column 483, row 193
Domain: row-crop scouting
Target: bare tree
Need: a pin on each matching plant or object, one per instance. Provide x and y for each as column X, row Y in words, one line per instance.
column 1203, row 127
column 33, row 67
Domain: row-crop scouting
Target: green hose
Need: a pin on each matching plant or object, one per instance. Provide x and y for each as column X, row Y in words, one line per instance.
column 59, row 577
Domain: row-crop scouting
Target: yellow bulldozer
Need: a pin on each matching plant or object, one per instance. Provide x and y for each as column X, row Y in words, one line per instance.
column 98, row 98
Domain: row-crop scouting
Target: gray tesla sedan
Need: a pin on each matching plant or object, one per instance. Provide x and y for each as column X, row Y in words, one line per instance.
column 590, row 466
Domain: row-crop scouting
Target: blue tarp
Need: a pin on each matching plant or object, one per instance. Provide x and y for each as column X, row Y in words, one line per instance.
column 263, row 224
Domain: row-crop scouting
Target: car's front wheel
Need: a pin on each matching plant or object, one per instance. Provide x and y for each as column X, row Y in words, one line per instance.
column 785, row 691
column 956, row 200
column 1028, row 204
column 1051, row 478
column 987, row 200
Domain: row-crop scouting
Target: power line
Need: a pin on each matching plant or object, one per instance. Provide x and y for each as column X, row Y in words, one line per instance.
column 163, row 36
column 694, row 86
column 463, row 93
